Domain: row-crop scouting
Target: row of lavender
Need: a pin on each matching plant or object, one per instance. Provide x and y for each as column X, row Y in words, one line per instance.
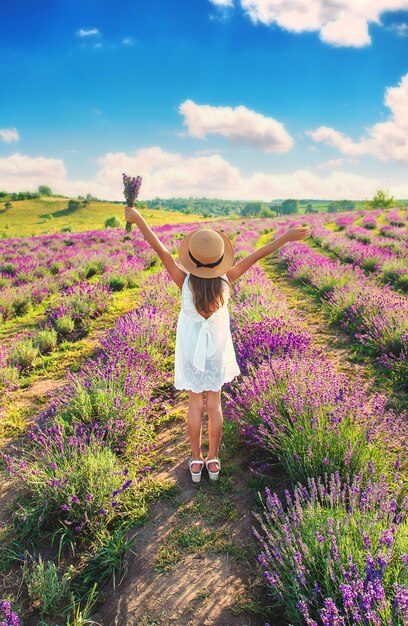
column 85, row 274
column 385, row 257
column 374, row 315
column 84, row 474
column 335, row 551
column 32, row 269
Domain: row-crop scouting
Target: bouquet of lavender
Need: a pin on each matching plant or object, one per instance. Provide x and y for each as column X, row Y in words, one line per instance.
column 131, row 191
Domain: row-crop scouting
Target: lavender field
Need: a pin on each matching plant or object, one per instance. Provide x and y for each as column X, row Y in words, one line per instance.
column 311, row 523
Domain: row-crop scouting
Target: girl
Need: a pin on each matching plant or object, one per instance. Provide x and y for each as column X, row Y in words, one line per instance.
column 204, row 356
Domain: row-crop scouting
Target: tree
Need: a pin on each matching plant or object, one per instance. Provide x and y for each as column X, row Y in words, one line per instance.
column 381, row 200
column 73, row 205
column 341, row 205
column 43, row 190
column 289, row 206
column 112, row 222
column 7, row 205
column 251, row 208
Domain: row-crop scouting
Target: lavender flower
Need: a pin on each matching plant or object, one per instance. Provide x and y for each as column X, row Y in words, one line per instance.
column 131, row 191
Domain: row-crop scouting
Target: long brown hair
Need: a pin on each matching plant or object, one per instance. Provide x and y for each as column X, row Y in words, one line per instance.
column 207, row 292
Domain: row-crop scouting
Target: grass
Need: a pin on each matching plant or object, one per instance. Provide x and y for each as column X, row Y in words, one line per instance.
column 208, row 506
column 47, row 215
column 188, row 539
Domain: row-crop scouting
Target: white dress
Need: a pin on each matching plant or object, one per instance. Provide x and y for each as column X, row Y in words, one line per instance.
column 204, row 357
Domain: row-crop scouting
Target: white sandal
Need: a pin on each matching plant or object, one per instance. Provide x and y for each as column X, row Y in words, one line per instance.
column 196, row 476
column 213, row 475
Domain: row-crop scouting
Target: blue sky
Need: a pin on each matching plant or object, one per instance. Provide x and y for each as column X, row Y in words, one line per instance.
column 224, row 98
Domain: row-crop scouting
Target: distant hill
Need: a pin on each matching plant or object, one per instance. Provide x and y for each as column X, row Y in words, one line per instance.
column 53, row 214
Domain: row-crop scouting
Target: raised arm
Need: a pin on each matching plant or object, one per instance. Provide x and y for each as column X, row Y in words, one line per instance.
column 294, row 233
column 132, row 215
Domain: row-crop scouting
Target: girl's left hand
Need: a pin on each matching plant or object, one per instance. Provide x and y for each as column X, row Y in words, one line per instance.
column 131, row 214
column 297, row 232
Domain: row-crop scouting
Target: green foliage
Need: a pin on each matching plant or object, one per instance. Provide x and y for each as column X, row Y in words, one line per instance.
column 46, row 340
column 43, row 190
column 73, row 205
column 341, row 205
column 112, row 222
column 56, row 267
column 51, row 504
column 21, row 304
column 64, row 325
column 381, row 200
column 402, row 282
column 44, row 585
column 93, row 268
column 24, row 195
column 23, row 354
column 117, row 282
column 107, row 561
column 287, row 207
column 80, row 615
column 251, row 209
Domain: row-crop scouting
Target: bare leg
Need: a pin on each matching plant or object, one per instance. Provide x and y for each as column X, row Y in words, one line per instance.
column 215, row 421
column 194, row 426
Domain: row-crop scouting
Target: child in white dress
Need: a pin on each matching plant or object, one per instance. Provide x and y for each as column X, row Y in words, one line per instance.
column 205, row 357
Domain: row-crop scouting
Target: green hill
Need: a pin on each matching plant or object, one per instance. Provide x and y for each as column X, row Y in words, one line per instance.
column 48, row 215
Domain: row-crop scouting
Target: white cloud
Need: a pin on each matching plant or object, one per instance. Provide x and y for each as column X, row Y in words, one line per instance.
column 128, row 41
column 335, row 163
column 330, row 164
column 339, row 22
column 19, row 172
column 91, row 32
column 385, row 140
column 241, row 125
column 400, row 29
column 9, row 134
column 168, row 174
column 223, row 3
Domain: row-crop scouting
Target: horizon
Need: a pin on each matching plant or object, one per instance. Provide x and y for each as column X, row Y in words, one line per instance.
column 220, row 99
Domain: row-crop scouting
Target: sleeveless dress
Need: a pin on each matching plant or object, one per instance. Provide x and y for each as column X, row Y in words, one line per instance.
column 204, row 356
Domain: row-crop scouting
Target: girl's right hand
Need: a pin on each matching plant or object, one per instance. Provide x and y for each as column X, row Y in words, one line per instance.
column 131, row 214
column 297, row 232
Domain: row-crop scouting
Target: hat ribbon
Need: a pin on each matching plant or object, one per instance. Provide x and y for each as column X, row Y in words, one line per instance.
column 199, row 264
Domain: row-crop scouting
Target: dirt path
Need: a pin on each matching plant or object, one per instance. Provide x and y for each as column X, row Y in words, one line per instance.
column 193, row 563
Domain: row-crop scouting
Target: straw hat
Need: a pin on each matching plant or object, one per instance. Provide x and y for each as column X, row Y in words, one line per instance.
column 206, row 253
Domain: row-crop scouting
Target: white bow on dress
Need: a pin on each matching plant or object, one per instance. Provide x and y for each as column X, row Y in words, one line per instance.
column 205, row 346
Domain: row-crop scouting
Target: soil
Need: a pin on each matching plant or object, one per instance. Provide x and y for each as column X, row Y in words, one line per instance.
column 203, row 588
